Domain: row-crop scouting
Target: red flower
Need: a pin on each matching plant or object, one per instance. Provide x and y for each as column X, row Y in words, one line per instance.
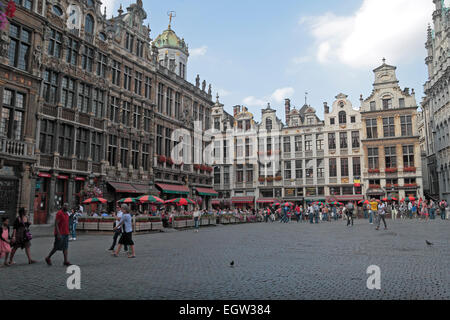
column 161, row 159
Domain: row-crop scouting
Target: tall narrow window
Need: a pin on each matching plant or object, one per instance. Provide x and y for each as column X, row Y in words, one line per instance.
column 87, row 59
column 355, row 139
column 84, row 98
column 12, row 117
column 373, row 158
column 342, row 117
column 137, row 114
column 50, row 86
column 68, row 92
column 298, row 169
column 287, row 170
column 387, row 104
column 344, row 167
column 19, row 47
column 388, row 127
column 332, row 141
column 145, row 156
column 287, row 144
column 65, row 143
column 82, row 143
column 116, row 73
column 96, row 146
column 371, row 126
column 102, row 63
column 114, row 109
column 343, row 139
column 124, row 145
column 135, row 154
column 408, row 156
column 148, row 87
column 406, row 123
column 55, row 43
column 298, row 143
column 333, row 168
column 161, row 97
column 112, row 150
column 138, row 83
column 126, row 113
column 390, row 154
column 89, row 24
column 99, row 103
column 47, row 137
column 72, row 51
column 356, row 167
column 127, row 78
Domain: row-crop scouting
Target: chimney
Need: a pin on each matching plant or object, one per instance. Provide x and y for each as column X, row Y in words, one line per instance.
column 236, row 109
column 326, row 108
column 287, row 105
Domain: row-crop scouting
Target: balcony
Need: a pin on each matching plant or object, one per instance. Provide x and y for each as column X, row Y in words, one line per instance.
column 82, row 165
column 65, row 163
column 15, row 148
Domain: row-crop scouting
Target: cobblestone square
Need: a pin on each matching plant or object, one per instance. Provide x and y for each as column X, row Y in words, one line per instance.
column 273, row 261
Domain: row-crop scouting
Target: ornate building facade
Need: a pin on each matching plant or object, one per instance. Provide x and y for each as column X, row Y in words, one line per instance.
column 390, row 139
column 20, row 63
column 436, row 105
column 100, row 109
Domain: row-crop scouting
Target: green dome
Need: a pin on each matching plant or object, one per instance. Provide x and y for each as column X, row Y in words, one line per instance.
column 169, row 39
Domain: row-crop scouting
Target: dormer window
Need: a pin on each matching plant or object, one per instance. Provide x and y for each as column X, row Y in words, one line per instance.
column 89, row 24
column 268, row 124
column 373, row 105
column 342, row 117
column 387, row 104
column 310, row 120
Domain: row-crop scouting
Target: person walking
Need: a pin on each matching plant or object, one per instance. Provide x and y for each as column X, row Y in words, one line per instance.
column 366, row 211
column 127, row 235
column 432, row 209
column 334, row 213
column 325, row 213
column 442, row 207
column 73, row 222
column 197, row 215
column 311, row 213
column 5, row 244
column 21, row 237
column 394, row 211
column 382, row 216
column 298, row 213
column 316, row 212
column 350, row 207
column 118, row 231
column 61, row 235
column 373, row 210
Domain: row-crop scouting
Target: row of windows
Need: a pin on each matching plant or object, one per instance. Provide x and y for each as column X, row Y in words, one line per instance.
column 121, row 149
column 387, row 104
column 389, row 127
column 391, row 157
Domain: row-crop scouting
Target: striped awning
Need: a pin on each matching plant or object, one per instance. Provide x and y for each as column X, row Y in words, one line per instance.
column 243, row 199
column 207, row 192
column 123, row 187
column 267, row 200
column 172, row 188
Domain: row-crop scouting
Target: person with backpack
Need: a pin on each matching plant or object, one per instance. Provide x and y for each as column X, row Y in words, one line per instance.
column 350, row 207
column 442, row 207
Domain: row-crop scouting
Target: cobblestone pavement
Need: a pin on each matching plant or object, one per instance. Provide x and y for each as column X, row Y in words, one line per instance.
column 273, row 261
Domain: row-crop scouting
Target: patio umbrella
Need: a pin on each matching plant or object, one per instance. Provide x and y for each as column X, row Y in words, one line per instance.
column 288, row 204
column 95, row 200
column 411, row 198
column 127, row 200
column 390, row 199
column 335, row 203
column 150, row 199
column 180, row 201
column 364, row 202
column 276, row 204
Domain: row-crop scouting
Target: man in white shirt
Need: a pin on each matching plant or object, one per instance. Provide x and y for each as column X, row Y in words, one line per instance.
column 117, row 232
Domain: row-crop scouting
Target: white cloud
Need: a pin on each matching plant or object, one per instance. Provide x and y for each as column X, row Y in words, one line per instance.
column 277, row 96
column 395, row 30
column 110, row 6
column 223, row 92
column 280, row 94
column 197, row 52
column 253, row 102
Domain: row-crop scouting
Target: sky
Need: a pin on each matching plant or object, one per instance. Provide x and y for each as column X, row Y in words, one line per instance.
column 255, row 52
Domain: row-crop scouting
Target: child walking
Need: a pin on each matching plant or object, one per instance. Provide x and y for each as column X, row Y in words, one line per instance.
column 5, row 247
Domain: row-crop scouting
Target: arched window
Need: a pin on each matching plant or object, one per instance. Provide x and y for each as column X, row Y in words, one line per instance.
column 268, row 124
column 342, row 117
column 57, row 10
column 89, row 24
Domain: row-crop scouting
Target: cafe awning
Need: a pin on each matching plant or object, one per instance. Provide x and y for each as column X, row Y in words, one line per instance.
column 141, row 188
column 207, row 192
column 123, row 187
column 172, row 188
column 245, row 200
column 267, row 200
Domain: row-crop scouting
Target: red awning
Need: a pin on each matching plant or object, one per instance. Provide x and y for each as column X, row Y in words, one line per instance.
column 63, row 177
column 80, row 179
column 141, row 188
column 123, row 187
column 243, row 199
column 215, row 202
column 173, row 188
column 207, row 192
column 44, row 175
column 267, row 200
column 349, row 198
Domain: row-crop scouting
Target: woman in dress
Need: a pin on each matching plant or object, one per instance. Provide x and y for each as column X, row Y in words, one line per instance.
column 20, row 239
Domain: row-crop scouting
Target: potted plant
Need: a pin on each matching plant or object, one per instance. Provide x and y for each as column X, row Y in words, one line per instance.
column 391, row 170
column 161, row 159
column 196, row 167
column 409, row 169
column 261, row 179
column 169, row 161
column 278, row 178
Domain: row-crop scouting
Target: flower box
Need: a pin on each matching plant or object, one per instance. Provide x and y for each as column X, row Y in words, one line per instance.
column 391, row 170
column 224, row 220
column 278, row 178
column 169, row 161
column 409, row 169
column 261, row 179
column 179, row 224
column 374, row 186
column 190, row 223
column 196, row 167
column 410, row 185
column 374, row 170
column 162, row 159
column 204, row 222
column 269, row 179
